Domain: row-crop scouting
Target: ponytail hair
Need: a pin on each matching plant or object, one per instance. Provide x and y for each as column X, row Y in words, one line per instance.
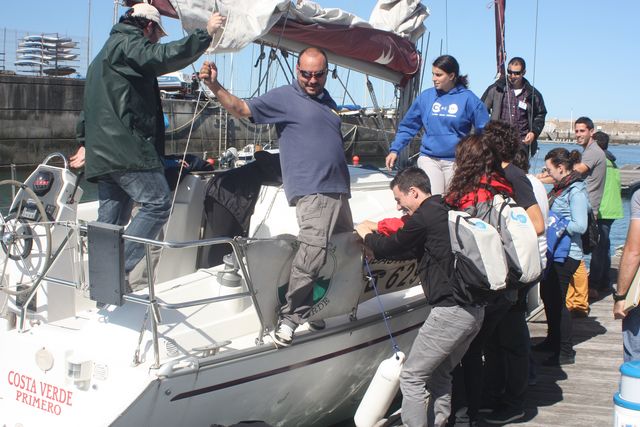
column 562, row 156
column 449, row 64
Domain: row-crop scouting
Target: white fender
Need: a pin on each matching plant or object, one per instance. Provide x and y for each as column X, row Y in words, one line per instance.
column 381, row 391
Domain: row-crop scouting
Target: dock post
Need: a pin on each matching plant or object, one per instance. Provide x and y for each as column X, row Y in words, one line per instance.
column 13, row 177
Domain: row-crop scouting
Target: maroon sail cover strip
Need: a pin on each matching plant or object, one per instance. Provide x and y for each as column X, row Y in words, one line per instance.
column 366, row 44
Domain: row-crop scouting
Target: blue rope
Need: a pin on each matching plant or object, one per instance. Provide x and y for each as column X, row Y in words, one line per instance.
column 394, row 344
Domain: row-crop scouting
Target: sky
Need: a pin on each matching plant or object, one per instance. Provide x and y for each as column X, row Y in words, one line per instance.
column 582, row 55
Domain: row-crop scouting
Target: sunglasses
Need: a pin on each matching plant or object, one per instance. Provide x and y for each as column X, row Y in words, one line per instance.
column 515, row 73
column 310, row 74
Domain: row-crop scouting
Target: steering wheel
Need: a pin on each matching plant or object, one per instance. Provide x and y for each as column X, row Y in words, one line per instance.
column 17, row 238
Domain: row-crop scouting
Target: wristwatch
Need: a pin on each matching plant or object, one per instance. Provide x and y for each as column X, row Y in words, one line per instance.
column 617, row 297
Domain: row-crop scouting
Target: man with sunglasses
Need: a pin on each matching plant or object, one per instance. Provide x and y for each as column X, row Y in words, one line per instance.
column 314, row 172
column 515, row 101
column 121, row 128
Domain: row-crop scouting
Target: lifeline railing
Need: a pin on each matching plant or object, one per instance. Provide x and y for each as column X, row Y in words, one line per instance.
column 153, row 304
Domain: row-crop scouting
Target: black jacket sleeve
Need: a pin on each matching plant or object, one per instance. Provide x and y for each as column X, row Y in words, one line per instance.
column 539, row 113
column 408, row 240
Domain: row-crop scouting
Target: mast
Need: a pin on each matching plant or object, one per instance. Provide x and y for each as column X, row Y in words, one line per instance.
column 115, row 12
column 89, row 37
column 499, row 6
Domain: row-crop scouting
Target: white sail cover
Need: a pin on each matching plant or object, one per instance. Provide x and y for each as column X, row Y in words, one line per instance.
column 248, row 20
column 403, row 17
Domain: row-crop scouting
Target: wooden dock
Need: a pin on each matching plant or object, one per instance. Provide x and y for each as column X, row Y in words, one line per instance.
column 629, row 178
column 580, row 394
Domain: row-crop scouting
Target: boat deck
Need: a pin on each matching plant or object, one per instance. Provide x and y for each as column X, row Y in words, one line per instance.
column 579, row 394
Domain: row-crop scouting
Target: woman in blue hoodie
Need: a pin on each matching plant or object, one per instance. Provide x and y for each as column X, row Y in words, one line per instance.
column 447, row 112
column 568, row 199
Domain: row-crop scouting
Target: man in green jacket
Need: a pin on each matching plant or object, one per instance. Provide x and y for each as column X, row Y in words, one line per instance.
column 610, row 209
column 124, row 124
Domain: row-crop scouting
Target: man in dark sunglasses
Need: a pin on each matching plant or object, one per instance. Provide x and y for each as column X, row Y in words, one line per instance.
column 515, row 101
column 314, row 172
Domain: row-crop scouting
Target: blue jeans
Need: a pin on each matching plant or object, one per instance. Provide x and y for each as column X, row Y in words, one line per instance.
column 601, row 258
column 118, row 191
column 631, row 335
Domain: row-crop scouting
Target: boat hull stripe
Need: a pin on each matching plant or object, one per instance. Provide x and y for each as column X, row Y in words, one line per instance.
column 266, row 374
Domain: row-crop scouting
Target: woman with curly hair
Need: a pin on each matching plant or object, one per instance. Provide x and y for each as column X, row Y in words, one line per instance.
column 478, row 174
column 477, row 178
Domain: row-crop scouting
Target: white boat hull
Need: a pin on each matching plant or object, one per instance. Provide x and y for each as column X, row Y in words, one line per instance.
column 77, row 365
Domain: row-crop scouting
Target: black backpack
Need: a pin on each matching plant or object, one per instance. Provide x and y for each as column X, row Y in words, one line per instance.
column 591, row 237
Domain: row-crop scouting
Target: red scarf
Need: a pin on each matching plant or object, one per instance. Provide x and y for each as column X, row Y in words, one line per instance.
column 562, row 185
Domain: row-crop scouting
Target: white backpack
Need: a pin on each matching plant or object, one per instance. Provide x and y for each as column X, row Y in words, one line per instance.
column 495, row 249
column 480, row 264
column 520, row 241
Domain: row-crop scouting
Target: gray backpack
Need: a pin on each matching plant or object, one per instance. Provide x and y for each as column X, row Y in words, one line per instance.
column 495, row 247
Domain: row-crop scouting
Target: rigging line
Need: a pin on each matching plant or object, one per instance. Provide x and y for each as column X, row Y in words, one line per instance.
column 344, row 94
column 394, row 344
column 425, row 52
column 284, row 71
column 446, row 25
column 284, row 25
column 195, row 111
column 533, row 79
column 204, row 107
column 277, row 46
column 335, row 75
column 262, row 78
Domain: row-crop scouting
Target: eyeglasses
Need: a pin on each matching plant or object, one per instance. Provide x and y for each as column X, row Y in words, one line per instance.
column 515, row 73
column 310, row 74
column 545, row 170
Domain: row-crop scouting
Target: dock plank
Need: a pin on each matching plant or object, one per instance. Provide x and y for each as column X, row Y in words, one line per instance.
column 581, row 394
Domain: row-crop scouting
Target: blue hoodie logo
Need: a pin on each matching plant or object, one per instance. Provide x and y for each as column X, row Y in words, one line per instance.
column 448, row 110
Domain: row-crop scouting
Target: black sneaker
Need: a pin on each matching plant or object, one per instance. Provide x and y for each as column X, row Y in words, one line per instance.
column 543, row 346
column 283, row 335
column 556, row 360
column 580, row 314
column 504, row 415
column 317, row 325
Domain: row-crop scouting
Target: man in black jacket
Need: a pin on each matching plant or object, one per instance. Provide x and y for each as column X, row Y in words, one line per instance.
column 452, row 322
column 515, row 101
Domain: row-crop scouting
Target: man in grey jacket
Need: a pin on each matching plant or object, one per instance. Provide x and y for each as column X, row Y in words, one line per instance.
column 515, row 101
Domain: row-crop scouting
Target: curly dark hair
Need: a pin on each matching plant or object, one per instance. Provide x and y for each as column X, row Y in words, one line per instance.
column 503, row 137
column 475, row 159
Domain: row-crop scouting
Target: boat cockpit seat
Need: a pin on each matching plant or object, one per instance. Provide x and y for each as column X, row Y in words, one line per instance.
column 343, row 281
column 183, row 225
column 336, row 291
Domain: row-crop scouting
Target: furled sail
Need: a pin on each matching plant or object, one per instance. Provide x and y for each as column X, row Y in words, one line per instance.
column 382, row 47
